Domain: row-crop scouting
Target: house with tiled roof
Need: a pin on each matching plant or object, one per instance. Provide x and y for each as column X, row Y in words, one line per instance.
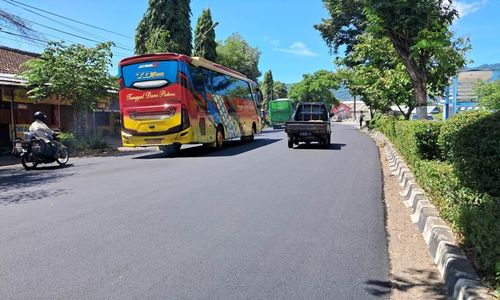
column 16, row 109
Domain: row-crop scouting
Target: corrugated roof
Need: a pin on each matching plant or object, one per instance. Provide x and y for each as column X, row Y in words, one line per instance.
column 11, row 59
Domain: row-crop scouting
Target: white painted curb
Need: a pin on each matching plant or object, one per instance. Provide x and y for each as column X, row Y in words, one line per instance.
column 461, row 280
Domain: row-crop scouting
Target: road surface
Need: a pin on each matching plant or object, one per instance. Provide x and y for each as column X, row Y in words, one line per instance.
column 250, row 221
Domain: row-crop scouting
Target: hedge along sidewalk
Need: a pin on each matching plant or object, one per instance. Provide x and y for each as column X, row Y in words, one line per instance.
column 461, row 280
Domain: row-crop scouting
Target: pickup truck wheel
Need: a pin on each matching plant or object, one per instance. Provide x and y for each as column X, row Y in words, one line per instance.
column 290, row 143
column 327, row 142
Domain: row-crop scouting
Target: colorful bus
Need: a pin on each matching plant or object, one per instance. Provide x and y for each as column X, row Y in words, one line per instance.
column 280, row 111
column 171, row 99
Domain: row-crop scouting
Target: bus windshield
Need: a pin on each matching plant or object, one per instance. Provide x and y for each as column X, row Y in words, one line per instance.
column 152, row 74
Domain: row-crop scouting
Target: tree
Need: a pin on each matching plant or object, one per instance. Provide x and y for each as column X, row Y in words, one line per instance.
column 418, row 31
column 74, row 73
column 489, row 94
column 316, row 87
column 280, row 90
column 204, row 37
column 159, row 41
column 379, row 76
column 267, row 87
column 172, row 16
column 237, row 54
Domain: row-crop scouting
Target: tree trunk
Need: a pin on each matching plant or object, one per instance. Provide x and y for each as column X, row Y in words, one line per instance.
column 418, row 76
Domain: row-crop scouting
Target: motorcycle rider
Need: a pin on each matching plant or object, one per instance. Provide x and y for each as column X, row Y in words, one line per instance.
column 39, row 128
column 42, row 131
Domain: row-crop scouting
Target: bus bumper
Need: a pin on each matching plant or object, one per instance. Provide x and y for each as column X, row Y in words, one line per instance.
column 183, row 137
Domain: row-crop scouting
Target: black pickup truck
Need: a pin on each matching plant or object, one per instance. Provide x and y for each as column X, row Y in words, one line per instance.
column 310, row 123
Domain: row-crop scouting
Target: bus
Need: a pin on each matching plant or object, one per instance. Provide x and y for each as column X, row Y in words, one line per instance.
column 280, row 111
column 168, row 100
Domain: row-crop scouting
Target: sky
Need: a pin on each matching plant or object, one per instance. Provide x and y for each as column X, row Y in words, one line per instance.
column 282, row 30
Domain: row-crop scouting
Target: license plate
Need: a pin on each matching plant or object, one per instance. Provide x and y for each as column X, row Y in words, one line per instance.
column 153, row 141
column 305, row 133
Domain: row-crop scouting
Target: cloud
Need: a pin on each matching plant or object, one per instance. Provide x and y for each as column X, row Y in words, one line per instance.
column 464, row 8
column 296, row 48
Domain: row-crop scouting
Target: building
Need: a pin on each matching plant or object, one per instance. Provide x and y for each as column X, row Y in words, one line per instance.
column 460, row 95
column 16, row 109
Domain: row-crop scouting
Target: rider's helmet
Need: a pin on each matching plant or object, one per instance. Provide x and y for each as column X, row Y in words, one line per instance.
column 40, row 116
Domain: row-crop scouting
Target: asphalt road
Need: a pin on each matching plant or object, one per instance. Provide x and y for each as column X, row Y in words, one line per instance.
column 253, row 221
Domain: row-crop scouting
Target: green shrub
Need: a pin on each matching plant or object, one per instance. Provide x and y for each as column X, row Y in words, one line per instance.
column 472, row 213
column 375, row 121
column 97, row 143
column 475, row 152
column 73, row 143
column 451, row 127
column 417, row 139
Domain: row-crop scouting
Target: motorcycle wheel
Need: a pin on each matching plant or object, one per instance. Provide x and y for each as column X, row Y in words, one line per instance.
column 62, row 156
column 27, row 164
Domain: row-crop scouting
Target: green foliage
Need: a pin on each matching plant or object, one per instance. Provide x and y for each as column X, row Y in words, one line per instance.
column 316, row 87
column 170, row 16
column 204, row 37
column 280, row 90
column 475, row 152
column 158, row 41
column 472, row 213
column 418, row 31
column 448, row 135
column 489, row 94
column 268, row 87
column 237, row 54
column 74, row 73
column 375, row 121
column 78, row 144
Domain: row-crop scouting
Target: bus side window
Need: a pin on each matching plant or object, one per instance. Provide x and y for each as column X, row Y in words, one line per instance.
column 197, row 78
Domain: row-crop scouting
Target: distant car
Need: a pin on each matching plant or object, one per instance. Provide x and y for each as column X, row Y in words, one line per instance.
column 415, row 117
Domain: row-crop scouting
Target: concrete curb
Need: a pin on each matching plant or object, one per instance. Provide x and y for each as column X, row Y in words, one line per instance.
column 460, row 278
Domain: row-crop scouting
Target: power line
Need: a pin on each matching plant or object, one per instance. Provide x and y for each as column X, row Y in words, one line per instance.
column 62, row 31
column 69, row 19
column 58, row 22
column 23, row 36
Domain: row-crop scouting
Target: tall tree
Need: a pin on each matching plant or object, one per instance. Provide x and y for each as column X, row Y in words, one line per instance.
column 316, row 87
column 204, row 37
column 173, row 16
column 267, row 87
column 418, row 30
column 280, row 90
column 75, row 73
column 378, row 75
column 237, row 54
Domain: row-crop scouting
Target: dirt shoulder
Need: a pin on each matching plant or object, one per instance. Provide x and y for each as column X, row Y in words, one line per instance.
column 413, row 273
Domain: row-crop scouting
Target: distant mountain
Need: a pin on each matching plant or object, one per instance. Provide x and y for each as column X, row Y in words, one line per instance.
column 485, row 67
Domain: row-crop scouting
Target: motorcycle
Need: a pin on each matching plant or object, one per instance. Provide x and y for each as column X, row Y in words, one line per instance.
column 34, row 151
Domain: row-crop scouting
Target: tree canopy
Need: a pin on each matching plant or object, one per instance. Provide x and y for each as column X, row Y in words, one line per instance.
column 316, row 87
column 173, row 16
column 237, row 54
column 204, row 37
column 75, row 73
column 280, row 90
column 268, row 87
column 418, row 31
column 489, row 94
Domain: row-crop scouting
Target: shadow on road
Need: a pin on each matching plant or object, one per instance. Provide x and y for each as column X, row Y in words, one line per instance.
column 428, row 286
column 333, row 146
column 14, row 181
column 231, row 148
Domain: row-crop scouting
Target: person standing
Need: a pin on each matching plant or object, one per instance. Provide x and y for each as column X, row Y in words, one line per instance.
column 361, row 119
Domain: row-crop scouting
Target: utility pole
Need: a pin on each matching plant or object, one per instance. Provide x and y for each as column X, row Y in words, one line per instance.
column 354, row 107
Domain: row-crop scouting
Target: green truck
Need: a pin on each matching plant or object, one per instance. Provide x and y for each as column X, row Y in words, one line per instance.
column 280, row 111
